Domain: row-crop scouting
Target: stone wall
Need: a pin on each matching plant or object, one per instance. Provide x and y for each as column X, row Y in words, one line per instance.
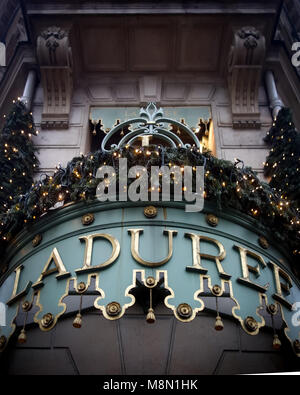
column 60, row 146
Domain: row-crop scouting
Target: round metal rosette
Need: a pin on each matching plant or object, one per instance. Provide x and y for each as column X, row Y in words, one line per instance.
column 184, row 311
column 150, row 281
column 37, row 240
column 150, row 211
column 272, row 308
column 251, row 324
column 26, row 305
column 216, row 290
column 212, row 220
column 2, row 342
column 263, row 242
column 4, row 269
column 47, row 320
column 87, row 219
column 113, row 309
column 81, row 287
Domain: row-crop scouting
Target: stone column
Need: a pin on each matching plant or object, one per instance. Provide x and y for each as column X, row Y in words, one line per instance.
column 274, row 100
column 29, row 89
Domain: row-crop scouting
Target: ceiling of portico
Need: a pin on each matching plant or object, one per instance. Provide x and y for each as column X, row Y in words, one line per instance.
column 165, row 44
column 140, row 44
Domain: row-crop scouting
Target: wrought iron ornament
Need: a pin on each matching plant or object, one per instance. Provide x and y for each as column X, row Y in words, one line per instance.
column 151, row 122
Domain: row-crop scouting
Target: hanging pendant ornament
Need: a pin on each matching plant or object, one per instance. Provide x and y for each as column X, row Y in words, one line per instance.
column 276, row 342
column 272, row 310
column 219, row 323
column 22, row 337
column 150, row 316
column 26, row 306
column 77, row 323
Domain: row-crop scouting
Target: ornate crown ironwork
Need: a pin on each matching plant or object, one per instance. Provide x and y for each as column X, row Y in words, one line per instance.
column 151, row 122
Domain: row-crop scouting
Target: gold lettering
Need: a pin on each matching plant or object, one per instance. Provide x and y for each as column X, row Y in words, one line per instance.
column 59, row 267
column 246, row 269
column 197, row 255
column 89, row 241
column 14, row 297
column 135, row 236
column 285, row 287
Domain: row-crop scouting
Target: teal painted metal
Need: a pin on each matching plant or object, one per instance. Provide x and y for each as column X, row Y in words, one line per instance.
column 62, row 229
column 109, row 116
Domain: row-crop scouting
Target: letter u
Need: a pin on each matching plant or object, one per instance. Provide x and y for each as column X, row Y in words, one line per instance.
column 135, row 236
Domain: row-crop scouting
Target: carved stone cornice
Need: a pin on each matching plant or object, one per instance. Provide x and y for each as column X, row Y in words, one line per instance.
column 55, row 59
column 244, row 73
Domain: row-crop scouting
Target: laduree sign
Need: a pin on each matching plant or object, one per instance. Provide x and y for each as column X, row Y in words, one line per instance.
column 117, row 244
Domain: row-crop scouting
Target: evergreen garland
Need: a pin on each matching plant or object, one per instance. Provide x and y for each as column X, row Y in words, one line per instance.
column 229, row 184
column 17, row 156
column 225, row 182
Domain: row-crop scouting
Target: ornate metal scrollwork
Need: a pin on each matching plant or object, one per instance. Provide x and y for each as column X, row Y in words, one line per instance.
column 151, row 122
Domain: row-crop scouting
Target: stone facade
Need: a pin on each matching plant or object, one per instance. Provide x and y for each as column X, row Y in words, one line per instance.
column 66, row 57
column 161, row 52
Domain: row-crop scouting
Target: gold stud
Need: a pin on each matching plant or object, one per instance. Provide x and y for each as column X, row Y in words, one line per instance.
column 37, row 240
column 22, row 337
column 184, row 311
column 150, row 316
column 251, row 324
column 150, row 281
column 26, row 306
column 77, row 321
column 216, row 290
column 87, row 219
column 219, row 324
column 150, row 211
column 263, row 242
column 272, row 309
column 212, row 220
column 47, row 320
column 81, row 287
column 113, row 309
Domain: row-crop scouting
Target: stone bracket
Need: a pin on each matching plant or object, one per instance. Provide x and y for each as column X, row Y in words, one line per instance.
column 55, row 59
column 244, row 75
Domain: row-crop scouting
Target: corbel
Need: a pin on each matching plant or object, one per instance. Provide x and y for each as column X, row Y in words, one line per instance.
column 245, row 64
column 55, row 60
